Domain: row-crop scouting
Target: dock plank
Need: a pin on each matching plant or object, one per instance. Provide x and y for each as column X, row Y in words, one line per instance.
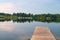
column 42, row 33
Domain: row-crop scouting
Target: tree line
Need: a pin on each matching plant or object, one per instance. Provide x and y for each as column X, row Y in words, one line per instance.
column 39, row 17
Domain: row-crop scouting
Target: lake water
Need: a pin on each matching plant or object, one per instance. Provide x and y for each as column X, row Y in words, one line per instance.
column 10, row 30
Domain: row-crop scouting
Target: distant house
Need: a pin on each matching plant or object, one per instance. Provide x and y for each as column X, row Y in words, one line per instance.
column 48, row 18
column 24, row 17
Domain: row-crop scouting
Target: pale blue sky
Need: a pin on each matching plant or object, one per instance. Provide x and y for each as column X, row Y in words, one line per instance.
column 32, row 6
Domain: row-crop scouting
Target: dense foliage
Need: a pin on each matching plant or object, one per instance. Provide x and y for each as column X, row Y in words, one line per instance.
column 36, row 17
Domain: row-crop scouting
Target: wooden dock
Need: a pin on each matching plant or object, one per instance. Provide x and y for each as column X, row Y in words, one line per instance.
column 42, row 33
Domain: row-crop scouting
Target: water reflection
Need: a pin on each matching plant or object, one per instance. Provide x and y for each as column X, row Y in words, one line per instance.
column 11, row 31
column 23, row 29
column 6, row 27
column 29, row 20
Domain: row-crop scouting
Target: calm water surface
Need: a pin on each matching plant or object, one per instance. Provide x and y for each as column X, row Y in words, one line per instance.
column 24, row 30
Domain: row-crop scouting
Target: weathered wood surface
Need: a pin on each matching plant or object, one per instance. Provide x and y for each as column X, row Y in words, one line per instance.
column 42, row 33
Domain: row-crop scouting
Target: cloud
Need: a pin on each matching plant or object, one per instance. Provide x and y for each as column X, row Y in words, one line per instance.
column 33, row 6
column 7, row 7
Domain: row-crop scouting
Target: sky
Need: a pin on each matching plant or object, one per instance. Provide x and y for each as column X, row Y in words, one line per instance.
column 30, row 6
